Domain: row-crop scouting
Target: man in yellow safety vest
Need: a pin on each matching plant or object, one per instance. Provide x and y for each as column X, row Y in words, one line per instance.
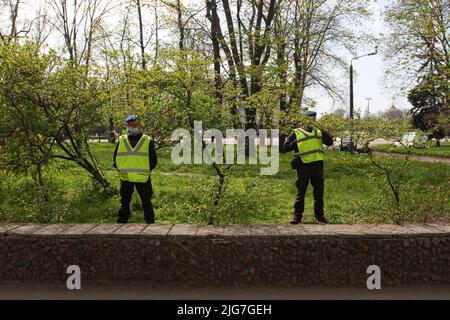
column 134, row 159
column 307, row 143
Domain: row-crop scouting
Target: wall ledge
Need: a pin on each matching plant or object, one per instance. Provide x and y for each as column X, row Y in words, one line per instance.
column 232, row 230
column 226, row 255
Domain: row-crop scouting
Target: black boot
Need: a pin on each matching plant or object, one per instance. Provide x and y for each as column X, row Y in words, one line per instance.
column 123, row 216
column 322, row 219
column 149, row 214
column 149, row 217
column 296, row 219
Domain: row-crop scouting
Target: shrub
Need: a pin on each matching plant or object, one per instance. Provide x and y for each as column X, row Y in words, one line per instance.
column 23, row 201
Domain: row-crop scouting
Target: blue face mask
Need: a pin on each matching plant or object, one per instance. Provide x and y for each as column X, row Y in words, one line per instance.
column 312, row 122
column 133, row 131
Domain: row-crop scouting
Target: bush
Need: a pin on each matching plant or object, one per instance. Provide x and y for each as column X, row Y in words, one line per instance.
column 92, row 203
column 241, row 202
column 194, row 201
column 183, row 199
column 418, row 202
column 24, row 202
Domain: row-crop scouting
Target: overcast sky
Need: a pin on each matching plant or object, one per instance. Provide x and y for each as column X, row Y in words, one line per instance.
column 369, row 80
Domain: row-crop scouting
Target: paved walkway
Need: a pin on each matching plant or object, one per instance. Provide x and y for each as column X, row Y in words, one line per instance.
column 26, row 291
column 415, row 157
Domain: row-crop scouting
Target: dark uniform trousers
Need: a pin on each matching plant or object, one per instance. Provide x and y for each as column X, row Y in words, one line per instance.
column 145, row 192
column 311, row 172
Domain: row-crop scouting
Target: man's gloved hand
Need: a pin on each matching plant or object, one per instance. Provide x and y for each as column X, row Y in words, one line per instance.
column 292, row 145
column 295, row 163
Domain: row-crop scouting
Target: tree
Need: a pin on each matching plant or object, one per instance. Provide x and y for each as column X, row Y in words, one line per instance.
column 14, row 29
column 430, row 111
column 78, row 21
column 26, row 147
column 419, row 40
column 308, row 35
column 394, row 113
column 335, row 124
column 340, row 113
column 367, row 130
column 180, row 86
column 318, row 28
column 371, row 128
column 47, row 104
column 420, row 45
column 211, row 15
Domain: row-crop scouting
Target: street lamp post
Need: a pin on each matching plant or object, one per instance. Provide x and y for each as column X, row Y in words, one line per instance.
column 351, row 90
column 368, row 104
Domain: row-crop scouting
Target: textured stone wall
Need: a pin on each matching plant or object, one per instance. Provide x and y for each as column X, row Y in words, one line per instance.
column 254, row 255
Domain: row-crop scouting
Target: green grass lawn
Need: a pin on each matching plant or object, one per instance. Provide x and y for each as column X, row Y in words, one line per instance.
column 442, row 151
column 355, row 192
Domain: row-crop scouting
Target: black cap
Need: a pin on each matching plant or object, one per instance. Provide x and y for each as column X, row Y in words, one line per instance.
column 310, row 113
column 131, row 118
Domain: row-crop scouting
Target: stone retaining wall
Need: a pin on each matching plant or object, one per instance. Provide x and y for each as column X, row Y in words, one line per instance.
column 233, row 255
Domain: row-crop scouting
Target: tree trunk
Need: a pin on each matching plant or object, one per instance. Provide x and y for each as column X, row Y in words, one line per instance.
column 40, row 182
column 141, row 36
column 216, row 51
column 234, row 49
column 156, row 31
column 180, row 25
column 111, row 129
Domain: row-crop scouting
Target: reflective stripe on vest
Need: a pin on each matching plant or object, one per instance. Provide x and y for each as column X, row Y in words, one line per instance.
column 132, row 153
column 133, row 164
column 134, row 170
column 310, row 152
column 309, row 144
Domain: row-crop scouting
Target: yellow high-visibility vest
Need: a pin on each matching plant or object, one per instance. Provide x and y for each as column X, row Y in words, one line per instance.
column 133, row 163
column 309, row 144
